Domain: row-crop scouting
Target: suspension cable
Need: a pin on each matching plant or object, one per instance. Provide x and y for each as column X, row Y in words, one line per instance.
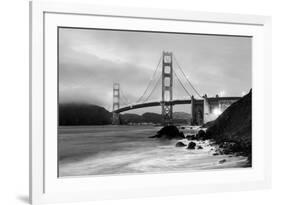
column 124, row 96
column 122, row 102
column 186, row 78
column 150, row 81
column 181, row 83
column 158, row 81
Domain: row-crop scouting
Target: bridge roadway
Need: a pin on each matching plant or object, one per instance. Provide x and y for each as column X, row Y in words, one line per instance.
column 173, row 102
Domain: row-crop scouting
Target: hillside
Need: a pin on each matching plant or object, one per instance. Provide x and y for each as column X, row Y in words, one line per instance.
column 86, row 114
column 149, row 117
column 83, row 114
column 182, row 115
column 130, row 118
column 181, row 118
column 234, row 126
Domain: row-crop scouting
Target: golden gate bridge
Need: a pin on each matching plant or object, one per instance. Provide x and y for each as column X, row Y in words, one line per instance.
column 201, row 106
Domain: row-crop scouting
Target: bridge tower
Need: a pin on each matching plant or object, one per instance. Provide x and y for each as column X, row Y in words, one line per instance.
column 197, row 111
column 167, row 87
column 116, row 104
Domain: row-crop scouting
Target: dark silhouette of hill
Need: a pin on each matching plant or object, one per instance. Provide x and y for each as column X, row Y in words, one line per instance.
column 87, row 114
column 83, row 114
column 150, row 117
column 131, row 118
column 182, row 115
column 147, row 117
column 234, row 126
column 181, row 118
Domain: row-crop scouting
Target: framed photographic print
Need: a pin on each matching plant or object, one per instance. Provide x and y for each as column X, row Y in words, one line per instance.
column 130, row 102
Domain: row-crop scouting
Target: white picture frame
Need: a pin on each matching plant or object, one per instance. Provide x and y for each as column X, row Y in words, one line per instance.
column 45, row 187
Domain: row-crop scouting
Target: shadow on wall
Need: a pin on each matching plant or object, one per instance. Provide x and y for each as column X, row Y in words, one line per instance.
column 24, row 199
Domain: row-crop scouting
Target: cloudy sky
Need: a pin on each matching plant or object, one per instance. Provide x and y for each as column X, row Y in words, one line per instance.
column 90, row 61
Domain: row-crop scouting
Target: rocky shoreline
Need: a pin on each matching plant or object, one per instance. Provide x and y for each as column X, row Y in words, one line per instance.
column 201, row 141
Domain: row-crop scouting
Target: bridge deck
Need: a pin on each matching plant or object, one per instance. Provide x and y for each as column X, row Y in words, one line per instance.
column 174, row 102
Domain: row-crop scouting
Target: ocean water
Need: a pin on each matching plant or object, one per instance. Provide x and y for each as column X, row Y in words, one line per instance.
column 103, row 150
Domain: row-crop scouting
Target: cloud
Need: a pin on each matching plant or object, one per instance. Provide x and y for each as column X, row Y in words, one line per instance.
column 91, row 79
column 90, row 61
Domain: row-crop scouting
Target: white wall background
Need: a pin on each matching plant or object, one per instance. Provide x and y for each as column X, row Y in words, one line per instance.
column 14, row 100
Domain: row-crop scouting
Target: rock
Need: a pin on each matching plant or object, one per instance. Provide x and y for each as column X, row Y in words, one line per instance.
column 170, row 132
column 191, row 145
column 233, row 147
column 226, row 151
column 208, row 124
column 180, row 144
column 220, row 151
column 201, row 135
column 234, row 126
column 181, row 135
column 229, row 147
column 154, row 136
column 215, row 154
column 199, row 147
column 222, row 161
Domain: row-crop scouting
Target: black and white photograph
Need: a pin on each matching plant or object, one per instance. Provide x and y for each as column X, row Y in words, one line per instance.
column 143, row 102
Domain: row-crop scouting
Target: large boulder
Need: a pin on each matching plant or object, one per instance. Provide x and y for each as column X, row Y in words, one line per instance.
column 180, row 144
column 201, row 135
column 222, row 161
column 169, row 132
column 199, row 147
column 191, row 145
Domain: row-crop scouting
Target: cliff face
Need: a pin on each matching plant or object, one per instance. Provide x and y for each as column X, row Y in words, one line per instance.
column 234, row 126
